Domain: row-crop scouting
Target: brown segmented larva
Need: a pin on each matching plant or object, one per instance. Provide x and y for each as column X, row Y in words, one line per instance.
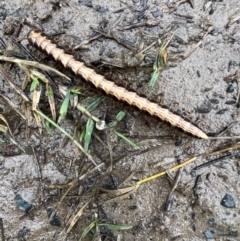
column 37, row 39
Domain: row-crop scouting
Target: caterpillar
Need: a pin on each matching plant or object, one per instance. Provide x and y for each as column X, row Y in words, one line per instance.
column 37, row 39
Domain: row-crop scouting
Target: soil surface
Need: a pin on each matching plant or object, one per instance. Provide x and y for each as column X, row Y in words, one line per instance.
column 198, row 87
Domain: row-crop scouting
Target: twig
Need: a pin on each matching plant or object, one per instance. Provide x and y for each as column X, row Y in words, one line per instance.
column 10, row 82
column 164, row 172
column 2, row 229
column 169, row 198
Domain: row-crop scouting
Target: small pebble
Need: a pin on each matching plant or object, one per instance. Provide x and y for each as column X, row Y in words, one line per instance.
column 205, row 108
column 135, row 1
column 230, row 102
column 214, row 101
column 178, row 39
column 143, row 2
column 214, row 32
column 87, row 3
column 178, row 142
column 3, row 13
column 55, row 220
column 157, row 13
column 208, row 234
column 100, row 9
column 21, row 235
column 22, row 204
column 230, row 88
column 222, row 111
column 228, row 201
column 213, row 9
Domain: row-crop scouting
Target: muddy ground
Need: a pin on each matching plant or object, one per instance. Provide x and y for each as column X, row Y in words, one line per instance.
column 196, row 87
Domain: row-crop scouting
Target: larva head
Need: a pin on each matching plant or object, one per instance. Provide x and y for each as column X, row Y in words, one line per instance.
column 33, row 36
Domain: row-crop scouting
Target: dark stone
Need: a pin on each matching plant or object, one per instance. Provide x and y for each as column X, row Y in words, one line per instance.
column 228, row 201
column 3, row 13
column 21, row 235
column 157, row 13
column 230, row 102
column 55, row 220
column 143, row 2
column 214, row 101
column 205, row 108
column 135, row 1
column 222, row 111
column 178, row 142
column 178, row 39
column 208, row 234
column 212, row 10
column 87, row 3
column 214, row 32
column 233, row 234
column 101, row 9
column 230, row 88
column 22, row 204
column 211, row 222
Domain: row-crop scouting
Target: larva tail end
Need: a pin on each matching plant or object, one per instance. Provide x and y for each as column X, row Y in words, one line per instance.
column 203, row 135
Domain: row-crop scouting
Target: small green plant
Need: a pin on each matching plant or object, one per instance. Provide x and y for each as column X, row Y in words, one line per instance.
column 160, row 63
column 95, row 226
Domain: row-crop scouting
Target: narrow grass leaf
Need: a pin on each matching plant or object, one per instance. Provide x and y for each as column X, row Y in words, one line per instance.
column 3, row 128
column 51, row 101
column 47, row 127
column 154, row 79
column 126, row 140
column 34, row 84
column 112, row 124
column 88, row 134
column 36, row 97
column 114, row 227
column 6, row 123
column 95, row 104
column 38, row 121
column 64, row 107
column 76, row 90
column 87, row 230
column 120, row 115
column 159, row 64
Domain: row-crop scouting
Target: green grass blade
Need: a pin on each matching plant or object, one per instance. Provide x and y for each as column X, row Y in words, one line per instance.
column 154, row 79
column 114, row 227
column 126, row 140
column 87, row 230
column 112, row 124
column 46, row 125
column 95, row 104
column 64, row 107
column 120, row 115
column 34, row 84
column 159, row 64
column 88, row 134
column 76, row 90
column 3, row 128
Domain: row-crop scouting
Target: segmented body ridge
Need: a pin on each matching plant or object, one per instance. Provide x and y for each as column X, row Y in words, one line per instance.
column 43, row 43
